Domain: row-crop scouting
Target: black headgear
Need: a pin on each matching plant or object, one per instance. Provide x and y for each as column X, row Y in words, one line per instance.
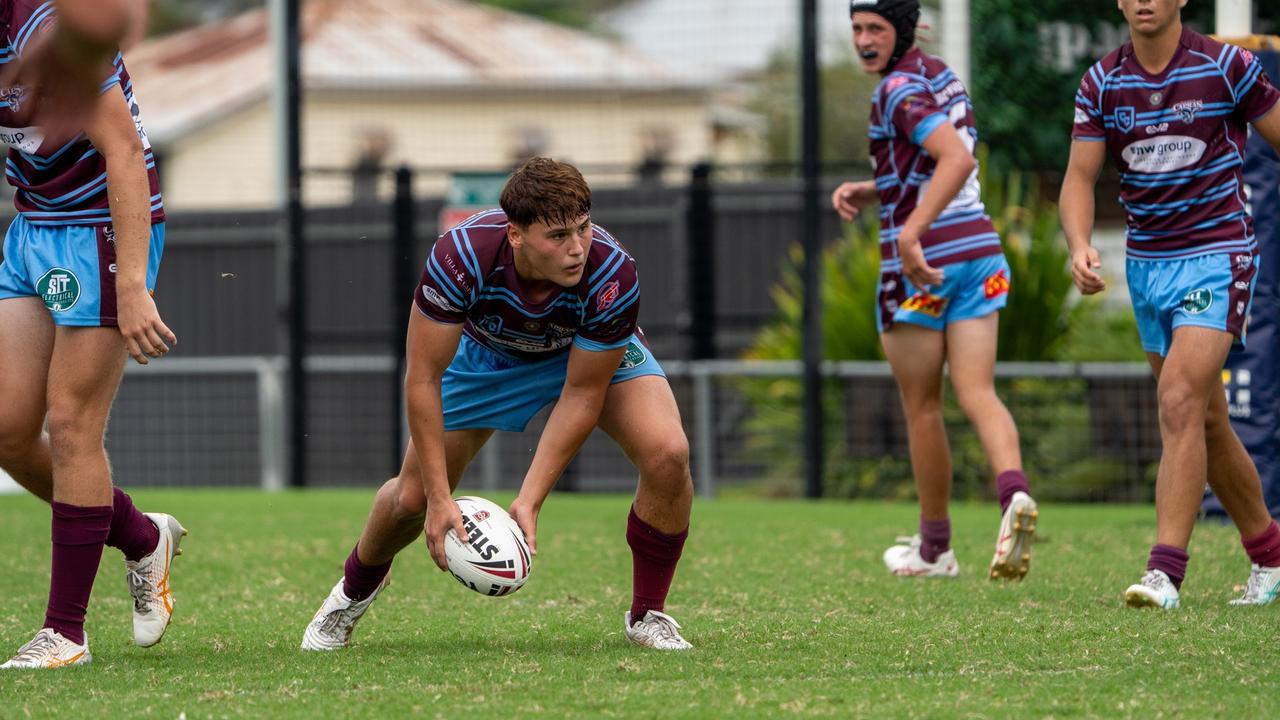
column 901, row 14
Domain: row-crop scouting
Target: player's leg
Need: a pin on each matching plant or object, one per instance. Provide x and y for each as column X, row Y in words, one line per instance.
column 26, row 345
column 395, row 522
column 1188, row 377
column 641, row 415
column 971, row 357
column 916, row 355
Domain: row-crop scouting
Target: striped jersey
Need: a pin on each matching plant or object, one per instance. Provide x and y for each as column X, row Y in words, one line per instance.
column 911, row 101
column 59, row 180
column 1177, row 138
column 470, row 278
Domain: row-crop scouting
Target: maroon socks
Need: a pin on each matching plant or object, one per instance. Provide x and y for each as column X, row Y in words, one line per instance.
column 131, row 531
column 653, row 564
column 1264, row 549
column 935, row 538
column 1008, row 483
column 1171, row 561
column 360, row 580
column 79, row 534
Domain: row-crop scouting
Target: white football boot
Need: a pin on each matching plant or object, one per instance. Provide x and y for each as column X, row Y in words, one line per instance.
column 49, row 650
column 148, row 581
column 1013, row 545
column 657, row 630
column 1154, row 590
column 904, row 560
column 1263, row 587
column 336, row 619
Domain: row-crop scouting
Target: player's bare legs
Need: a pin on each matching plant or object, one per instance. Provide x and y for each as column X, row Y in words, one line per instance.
column 27, row 334
column 400, row 507
column 395, row 522
column 642, row 416
column 971, row 358
column 916, row 355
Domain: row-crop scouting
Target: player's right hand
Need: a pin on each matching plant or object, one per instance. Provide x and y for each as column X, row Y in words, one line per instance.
column 1083, row 264
column 850, row 197
column 443, row 515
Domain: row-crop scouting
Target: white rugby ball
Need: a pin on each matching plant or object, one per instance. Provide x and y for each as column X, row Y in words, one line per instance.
column 493, row 559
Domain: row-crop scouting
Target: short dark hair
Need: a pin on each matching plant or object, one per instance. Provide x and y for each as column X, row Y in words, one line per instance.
column 547, row 190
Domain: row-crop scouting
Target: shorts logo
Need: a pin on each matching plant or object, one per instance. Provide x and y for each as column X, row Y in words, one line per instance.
column 59, row 288
column 996, row 285
column 925, row 304
column 1197, row 301
column 1125, row 118
column 607, row 296
column 633, row 357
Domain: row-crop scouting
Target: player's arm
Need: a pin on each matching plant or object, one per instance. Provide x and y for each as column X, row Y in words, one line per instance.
column 576, row 412
column 849, row 199
column 428, row 351
column 954, row 165
column 1075, row 206
column 114, row 134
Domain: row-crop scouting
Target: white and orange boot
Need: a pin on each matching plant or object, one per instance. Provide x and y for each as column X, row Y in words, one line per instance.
column 48, row 650
column 148, row 580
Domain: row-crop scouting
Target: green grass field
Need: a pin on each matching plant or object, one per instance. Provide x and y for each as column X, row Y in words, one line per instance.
column 787, row 603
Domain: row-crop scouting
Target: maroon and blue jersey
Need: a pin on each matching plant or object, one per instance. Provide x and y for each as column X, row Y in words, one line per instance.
column 471, row 278
column 919, row 94
column 1177, row 138
column 59, row 180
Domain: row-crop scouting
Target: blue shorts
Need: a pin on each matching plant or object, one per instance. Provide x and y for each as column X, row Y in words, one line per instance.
column 71, row 267
column 1212, row 291
column 482, row 389
column 970, row 289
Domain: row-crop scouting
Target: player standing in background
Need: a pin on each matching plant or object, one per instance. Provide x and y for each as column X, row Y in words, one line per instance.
column 518, row 308
column 1172, row 109
column 943, row 281
column 79, row 263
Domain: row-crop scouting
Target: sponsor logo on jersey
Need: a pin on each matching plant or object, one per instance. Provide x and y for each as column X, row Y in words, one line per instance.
column 925, row 304
column 1125, row 118
column 633, row 357
column 996, row 285
column 1244, row 261
column 26, row 139
column 1157, row 129
column 1240, row 308
column 1163, row 153
column 432, row 296
column 1187, row 110
column 490, row 324
column 1242, row 285
column 1246, row 56
column 1156, row 98
column 607, row 296
column 1081, row 116
column 59, row 288
column 1197, row 301
column 12, row 96
column 953, row 89
column 895, row 82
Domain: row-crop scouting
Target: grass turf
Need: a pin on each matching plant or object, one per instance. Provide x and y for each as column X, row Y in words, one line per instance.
column 787, row 603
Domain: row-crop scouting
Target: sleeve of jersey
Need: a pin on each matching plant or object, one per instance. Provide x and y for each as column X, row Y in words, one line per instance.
column 1254, row 93
column 912, row 109
column 1088, row 120
column 448, row 281
column 613, row 306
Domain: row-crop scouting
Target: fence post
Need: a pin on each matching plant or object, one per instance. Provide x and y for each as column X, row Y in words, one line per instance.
column 701, row 237
column 704, row 429
column 813, row 413
column 403, row 240
column 271, row 424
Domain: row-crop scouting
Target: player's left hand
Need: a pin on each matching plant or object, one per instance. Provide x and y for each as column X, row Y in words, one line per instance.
column 525, row 514
column 145, row 334
column 914, row 266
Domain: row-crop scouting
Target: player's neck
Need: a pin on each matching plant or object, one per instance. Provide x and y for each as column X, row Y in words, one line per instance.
column 534, row 289
column 1155, row 52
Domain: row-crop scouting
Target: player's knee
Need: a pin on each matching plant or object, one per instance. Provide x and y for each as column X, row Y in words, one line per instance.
column 410, row 500
column 668, row 463
column 1181, row 406
column 16, row 439
column 72, row 430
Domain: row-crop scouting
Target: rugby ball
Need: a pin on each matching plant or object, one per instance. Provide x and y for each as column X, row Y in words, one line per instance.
column 493, row 559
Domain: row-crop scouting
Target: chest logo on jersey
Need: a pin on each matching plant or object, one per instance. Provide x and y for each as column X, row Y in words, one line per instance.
column 1125, row 117
column 1156, row 98
column 59, row 288
column 607, row 296
column 1187, row 110
column 1197, row 301
column 926, row 304
column 1164, row 153
column 12, row 96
